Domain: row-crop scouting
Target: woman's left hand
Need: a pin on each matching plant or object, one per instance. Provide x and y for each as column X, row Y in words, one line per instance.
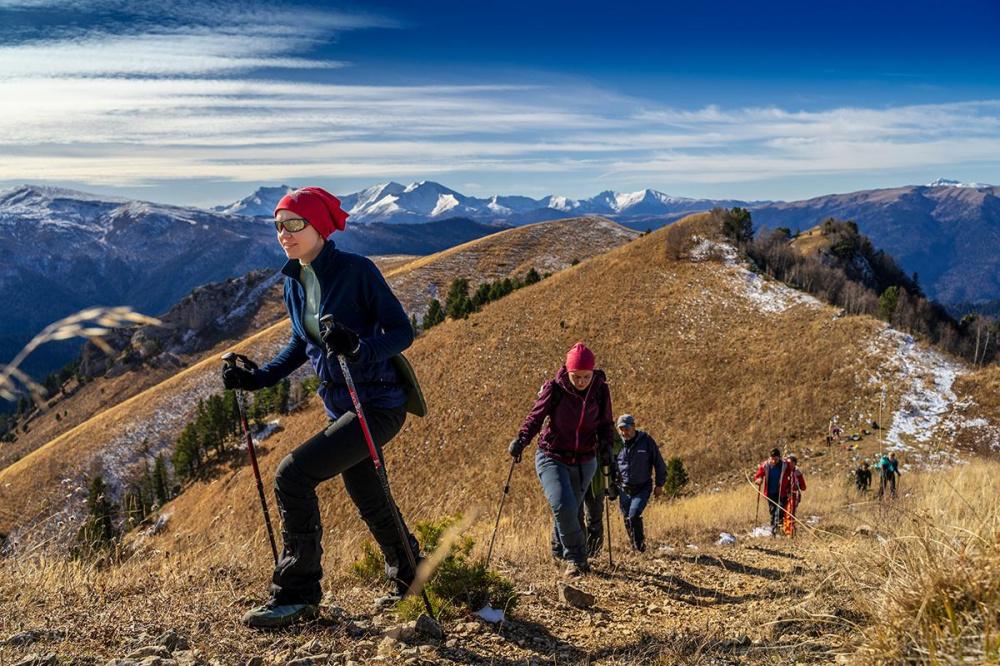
column 339, row 339
column 658, row 491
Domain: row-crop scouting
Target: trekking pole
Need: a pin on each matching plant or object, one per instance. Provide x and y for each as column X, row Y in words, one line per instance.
column 327, row 321
column 607, row 510
column 233, row 359
column 756, row 515
column 503, row 498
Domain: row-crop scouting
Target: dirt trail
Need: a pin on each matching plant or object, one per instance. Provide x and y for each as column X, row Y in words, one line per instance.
column 706, row 605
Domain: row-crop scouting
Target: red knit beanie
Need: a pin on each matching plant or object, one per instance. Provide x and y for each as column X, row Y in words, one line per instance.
column 318, row 207
column 579, row 358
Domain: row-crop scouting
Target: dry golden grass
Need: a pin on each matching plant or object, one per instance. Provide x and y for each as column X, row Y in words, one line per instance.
column 714, row 378
column 30, row 488
column 696, row 365
column 811, row 241
column 979, row 392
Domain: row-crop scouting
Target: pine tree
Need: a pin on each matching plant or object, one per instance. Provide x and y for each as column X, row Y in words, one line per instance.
column 414, row 325
column 532, row 277
column 482, row 295
column 232, row 412
column 887, row 303
column 161, row 480
column 98, row 532
column 187, row 456
column 435, row 314
column 281, row 393
column 457, row 305
column 677, row 477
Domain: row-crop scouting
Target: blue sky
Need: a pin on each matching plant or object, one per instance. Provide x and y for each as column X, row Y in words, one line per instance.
column 198, row 103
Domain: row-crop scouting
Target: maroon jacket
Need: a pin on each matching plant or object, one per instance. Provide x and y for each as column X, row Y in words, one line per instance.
column 579, row 422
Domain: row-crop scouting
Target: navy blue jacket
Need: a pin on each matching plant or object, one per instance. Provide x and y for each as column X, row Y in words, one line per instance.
column 355, row 293
column 637, row 460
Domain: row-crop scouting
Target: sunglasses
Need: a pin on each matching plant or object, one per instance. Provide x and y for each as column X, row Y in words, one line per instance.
column 293, row 224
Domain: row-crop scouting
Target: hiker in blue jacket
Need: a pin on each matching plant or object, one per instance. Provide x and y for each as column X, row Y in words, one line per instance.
column 371, row 329
column 637, row 461
column 888, row 468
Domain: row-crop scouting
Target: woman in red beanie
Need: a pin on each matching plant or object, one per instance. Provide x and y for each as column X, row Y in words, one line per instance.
column 579, row 430
column 371, row 328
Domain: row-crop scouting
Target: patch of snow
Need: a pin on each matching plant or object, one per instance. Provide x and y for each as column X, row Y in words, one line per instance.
column 445, row 203
column 705, row 249
column 726, row 539
column 927, row 377
column 760, row 532
column 948, row 182
column 772, row 296
column 269, row 429
column 490, row 614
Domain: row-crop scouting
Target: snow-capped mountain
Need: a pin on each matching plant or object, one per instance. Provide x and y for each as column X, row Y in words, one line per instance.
column 948, row 182
column 65, row 251
column 259, row 204
column 426, row 200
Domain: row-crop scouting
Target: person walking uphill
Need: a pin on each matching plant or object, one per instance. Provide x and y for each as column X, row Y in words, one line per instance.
column 579, row 430
column 637, row 461
column 370, row 329
column 888, row 468
column 790, row 492
column 768, row 479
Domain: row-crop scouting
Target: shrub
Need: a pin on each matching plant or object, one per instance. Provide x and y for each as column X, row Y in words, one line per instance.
column 677, row 477
column 370, row 567
column 459, row 584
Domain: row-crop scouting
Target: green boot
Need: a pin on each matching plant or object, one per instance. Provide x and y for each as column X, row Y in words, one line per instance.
column 273, row 615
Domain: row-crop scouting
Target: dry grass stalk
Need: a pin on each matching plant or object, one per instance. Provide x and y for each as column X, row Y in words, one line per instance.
column 91, row 324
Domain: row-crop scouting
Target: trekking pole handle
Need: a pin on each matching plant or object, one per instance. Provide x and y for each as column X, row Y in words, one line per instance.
column 238, row 360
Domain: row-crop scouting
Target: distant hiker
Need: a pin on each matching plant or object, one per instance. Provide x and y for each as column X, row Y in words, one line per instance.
column 768, row 479
column 637, row 462
column 834, row 432
column 578, row 431
column 888, row 468
column 863, row 477
column 592, row 511
column 792, row 485
column 371, row 328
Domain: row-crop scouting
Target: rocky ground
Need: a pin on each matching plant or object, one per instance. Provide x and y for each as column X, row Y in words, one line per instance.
column 746, row 603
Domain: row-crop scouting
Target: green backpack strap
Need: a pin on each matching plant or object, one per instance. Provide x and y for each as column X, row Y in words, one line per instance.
column 415, row 403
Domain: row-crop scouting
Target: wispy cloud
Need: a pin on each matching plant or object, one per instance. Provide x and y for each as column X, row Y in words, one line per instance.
column 188, row 91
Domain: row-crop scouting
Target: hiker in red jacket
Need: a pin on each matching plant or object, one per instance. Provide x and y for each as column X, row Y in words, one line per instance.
column 790, row 492
column 576, row 408
column 768, row 478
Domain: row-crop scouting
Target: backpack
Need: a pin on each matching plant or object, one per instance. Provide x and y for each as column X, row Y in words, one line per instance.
column 415, row 403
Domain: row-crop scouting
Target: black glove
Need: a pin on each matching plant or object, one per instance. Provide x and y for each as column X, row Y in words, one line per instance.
column 516, row 448
column 604, row 454
column 238, row 377
column 339, row 339
column 611, row 483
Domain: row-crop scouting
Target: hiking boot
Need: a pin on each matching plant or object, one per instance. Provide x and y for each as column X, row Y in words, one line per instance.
column 388, row 600
column 576, row 569
column 273, row 615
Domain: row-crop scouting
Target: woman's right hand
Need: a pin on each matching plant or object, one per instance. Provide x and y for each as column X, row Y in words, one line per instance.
column 516, row 447
column 236, row 377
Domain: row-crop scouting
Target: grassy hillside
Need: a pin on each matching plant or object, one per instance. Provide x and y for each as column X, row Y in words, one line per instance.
column 106, row 437
column 716, row 362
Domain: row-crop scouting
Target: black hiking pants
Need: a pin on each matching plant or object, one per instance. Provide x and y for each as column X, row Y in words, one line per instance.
column 777, row 515
column 887, row 481
column 338, row 449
